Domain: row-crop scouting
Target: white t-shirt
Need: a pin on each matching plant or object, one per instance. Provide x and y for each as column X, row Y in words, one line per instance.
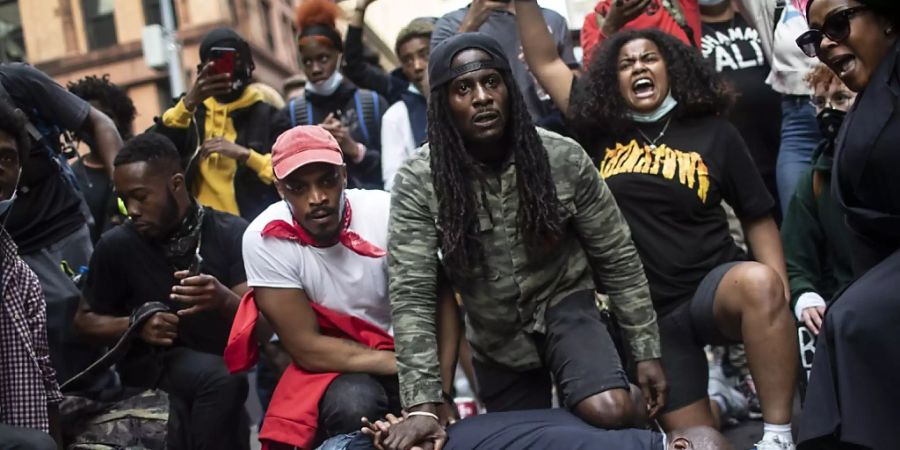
column 789, row 64
column 334, row 277
column 397, row 142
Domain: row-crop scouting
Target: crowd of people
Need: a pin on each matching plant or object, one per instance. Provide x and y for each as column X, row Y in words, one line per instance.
column 620, row 251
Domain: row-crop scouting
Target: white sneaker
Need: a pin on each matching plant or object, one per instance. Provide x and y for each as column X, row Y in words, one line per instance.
column 774, row 443
column 735, row 403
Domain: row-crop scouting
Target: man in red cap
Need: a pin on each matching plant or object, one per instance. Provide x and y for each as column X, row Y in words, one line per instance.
column 319, row 255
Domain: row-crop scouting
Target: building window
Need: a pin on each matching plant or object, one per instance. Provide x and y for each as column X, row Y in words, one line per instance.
column 152, row 15
column 99, row 23
column 12, row 41
column 266, row 11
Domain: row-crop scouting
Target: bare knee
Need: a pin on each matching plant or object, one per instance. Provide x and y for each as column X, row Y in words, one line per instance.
column 609, row 410
column 762, row 290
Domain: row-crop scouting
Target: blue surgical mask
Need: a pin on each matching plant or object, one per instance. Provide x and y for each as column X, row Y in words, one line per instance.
column 327, row 87
column 664, row 108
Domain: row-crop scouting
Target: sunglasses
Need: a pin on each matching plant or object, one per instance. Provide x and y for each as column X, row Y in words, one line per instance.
column 836, row 28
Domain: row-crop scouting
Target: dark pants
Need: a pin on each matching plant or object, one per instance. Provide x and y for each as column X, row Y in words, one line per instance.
column 352, row 396
column 576, row 349
column 208, row 408
column 14, row 438
column 68, row 352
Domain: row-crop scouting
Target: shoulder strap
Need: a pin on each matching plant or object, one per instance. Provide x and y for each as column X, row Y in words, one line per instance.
column 368, row 107
column 779, row 12
column 305, row 109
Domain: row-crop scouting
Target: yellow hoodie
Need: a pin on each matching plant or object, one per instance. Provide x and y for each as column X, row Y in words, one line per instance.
column 215, row 186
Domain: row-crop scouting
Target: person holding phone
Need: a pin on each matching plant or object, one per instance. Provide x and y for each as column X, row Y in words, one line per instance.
column 175, row 251
column 679, row 18
column 224, row 129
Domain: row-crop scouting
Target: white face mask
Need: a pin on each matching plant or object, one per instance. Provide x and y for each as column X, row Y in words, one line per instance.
column 5, row 205
column 664, row 108
column 326, row 87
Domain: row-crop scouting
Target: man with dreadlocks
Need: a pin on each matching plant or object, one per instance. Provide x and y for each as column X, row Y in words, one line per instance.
column 525, row 227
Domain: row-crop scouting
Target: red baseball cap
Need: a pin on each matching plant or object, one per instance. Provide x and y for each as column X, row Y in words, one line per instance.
column 302, row 145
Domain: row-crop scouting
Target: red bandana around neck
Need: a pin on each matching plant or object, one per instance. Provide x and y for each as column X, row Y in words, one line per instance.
column 280, row 229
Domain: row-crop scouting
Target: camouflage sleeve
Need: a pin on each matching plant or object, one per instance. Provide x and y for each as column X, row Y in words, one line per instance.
column 413, row 272
column 614, row 260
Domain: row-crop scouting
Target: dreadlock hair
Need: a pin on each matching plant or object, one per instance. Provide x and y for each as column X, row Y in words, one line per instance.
column 455, row 173
column 12, row 122
column 152, row 148
column 111, row 98
column 601, row 110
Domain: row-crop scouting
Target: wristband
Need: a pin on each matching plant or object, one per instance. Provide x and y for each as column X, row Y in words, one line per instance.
column 424, row 413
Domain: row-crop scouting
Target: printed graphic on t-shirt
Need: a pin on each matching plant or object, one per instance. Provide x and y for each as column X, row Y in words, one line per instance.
column 735, row 48
column 686, row 168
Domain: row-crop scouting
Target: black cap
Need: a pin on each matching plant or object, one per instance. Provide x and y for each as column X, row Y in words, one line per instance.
column 439, row 62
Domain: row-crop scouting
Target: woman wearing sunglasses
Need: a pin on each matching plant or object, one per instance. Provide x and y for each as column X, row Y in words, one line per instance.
column 851, row 399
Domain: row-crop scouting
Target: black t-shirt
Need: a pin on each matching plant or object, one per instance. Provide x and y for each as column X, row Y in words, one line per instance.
column 735, row 50
column 671, row 198
column 47, row 207
column 98, row 195
column 127, row 271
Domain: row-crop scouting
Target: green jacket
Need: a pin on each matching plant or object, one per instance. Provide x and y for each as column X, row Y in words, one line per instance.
column 815, row 235
column 509, row 300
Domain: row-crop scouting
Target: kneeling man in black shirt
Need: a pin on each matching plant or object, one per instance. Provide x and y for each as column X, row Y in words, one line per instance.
column 174, row 251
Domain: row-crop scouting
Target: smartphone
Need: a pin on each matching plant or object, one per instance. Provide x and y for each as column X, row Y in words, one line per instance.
column 194, row 268
column 223, row 59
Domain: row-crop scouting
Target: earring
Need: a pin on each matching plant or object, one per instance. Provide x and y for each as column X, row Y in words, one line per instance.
column 888, row 31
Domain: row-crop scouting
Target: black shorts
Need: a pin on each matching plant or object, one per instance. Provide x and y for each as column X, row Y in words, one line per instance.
column 684, row 332
column 577, row 350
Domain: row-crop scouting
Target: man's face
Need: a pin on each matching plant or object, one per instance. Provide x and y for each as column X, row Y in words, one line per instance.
column 479, row 101
column 9, row 165
column 314, row 194
column 149, row 198
column 413, row 56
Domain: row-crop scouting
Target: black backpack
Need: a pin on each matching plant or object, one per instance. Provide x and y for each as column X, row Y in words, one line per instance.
column 367, row 104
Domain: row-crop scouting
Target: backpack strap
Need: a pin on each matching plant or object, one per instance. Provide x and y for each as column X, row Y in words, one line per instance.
column 306, row 110
column 369, row 108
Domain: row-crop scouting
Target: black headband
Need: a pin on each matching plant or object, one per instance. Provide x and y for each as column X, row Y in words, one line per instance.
column 325, row 31
column 440, row 71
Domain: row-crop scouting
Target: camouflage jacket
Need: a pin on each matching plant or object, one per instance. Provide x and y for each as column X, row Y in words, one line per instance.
column 507, row 301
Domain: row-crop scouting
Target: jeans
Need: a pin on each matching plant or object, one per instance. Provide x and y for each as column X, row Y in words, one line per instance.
column 208, row 403
column 67, row 351
column 799, row 137
column 15, row 438
column 352, row 396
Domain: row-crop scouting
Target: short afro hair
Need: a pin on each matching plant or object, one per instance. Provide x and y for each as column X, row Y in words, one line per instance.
column 111, row 98
column 152, row 148
column 418, row 28
column 12, row 122
column 820, row 75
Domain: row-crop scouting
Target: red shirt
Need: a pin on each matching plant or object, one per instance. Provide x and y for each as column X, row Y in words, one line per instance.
column 655, row 16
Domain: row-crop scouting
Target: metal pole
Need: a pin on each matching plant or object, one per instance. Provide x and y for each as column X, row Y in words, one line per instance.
column 176, row 74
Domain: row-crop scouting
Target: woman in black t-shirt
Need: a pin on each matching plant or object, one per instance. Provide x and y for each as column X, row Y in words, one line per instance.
column 649, row 108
